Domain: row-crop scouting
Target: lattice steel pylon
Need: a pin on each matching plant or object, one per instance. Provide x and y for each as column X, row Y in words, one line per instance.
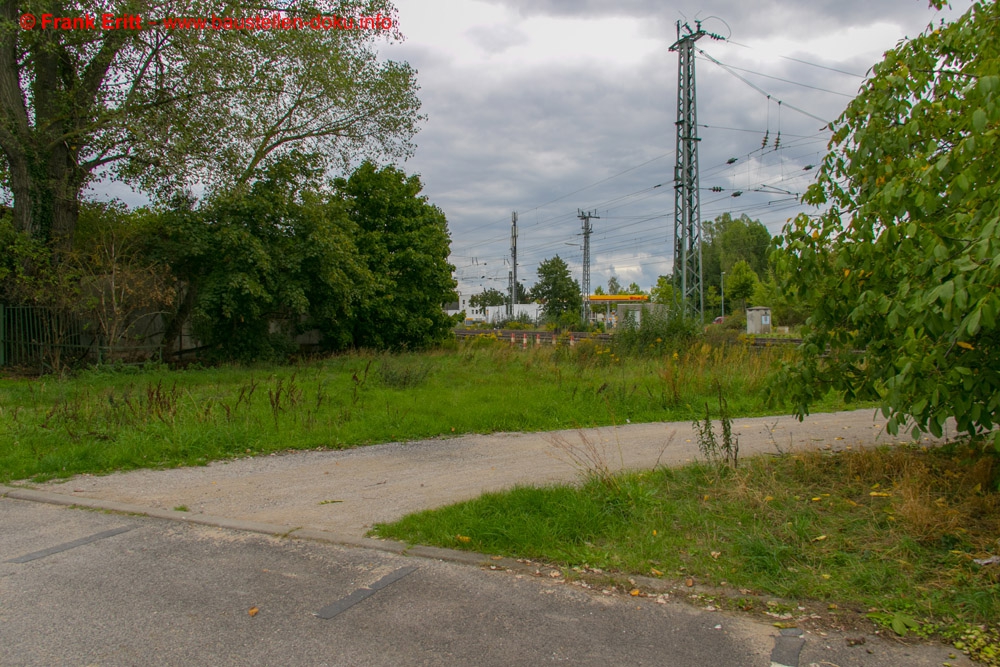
column 512, row 297
column 688, row 284
column 585, row 287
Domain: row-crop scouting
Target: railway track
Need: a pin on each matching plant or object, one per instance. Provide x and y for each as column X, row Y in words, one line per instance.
column 524, row 338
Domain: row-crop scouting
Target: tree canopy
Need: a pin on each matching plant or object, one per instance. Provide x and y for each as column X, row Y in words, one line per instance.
column 165, row 109
column 663, row 291
column 741, row 281
column 904, row 263
column 405, row 243
column 488, row 297
column 556, row 289
column 261, row 267
column 729, row 240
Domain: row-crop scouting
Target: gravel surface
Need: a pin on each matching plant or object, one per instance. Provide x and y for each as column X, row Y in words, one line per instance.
column 347, row 491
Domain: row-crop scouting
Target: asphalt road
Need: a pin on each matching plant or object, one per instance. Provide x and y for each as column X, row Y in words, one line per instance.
column 82, row 587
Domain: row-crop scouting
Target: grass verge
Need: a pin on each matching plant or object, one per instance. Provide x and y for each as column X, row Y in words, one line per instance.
column 100, row 421
column 890, row 534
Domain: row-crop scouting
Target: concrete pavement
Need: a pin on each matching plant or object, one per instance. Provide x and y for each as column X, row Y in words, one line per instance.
column 347, row 491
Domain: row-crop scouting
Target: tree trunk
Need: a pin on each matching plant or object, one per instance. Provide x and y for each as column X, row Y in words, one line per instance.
column 175, row 324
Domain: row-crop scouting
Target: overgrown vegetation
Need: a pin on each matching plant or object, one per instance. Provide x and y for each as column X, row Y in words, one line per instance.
column 107, row 419
column 891, row 535
column 721, row 450
column 656, row 332
column 360, row 262
column 899, row 269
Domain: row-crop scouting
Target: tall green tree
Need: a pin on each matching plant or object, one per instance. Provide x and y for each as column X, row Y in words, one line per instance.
column 404, row 242
column 261, row 267
column 556, row 289
column 741, row 281
column 164, row 108
column 904, row 263
column 729, row 240
column 663, row 291
column 488, row 297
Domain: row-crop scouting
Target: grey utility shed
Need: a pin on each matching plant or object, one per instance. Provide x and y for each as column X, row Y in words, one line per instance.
column 758, row 320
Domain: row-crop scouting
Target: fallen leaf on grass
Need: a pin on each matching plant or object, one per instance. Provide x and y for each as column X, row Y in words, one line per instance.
column 463, row 538
column 820, row 538
column 879, row 494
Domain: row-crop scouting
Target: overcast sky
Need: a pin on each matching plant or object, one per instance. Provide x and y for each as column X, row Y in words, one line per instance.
column 545, row 107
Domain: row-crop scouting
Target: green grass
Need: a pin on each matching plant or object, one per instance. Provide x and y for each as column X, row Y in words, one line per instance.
column 99, row 421
column 891, row 530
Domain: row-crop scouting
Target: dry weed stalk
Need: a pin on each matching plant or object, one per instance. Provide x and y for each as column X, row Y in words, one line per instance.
column 588, row 456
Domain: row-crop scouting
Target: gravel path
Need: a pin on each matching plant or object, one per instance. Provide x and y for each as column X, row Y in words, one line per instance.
column 346, row 491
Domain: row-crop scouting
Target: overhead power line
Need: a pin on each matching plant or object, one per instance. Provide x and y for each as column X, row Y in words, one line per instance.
column 832, row 69
column 778, row 78
column 761, row 90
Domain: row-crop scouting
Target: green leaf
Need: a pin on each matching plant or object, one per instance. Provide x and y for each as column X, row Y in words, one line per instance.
column 979, row 121
column 973, row 326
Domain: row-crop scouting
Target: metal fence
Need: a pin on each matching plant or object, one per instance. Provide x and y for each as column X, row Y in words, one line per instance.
column 38, row 337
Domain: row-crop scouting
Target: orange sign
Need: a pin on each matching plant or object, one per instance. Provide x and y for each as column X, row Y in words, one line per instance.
column 619, row 297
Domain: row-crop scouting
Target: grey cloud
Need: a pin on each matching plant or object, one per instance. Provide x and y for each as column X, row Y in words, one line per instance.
column 760, row 18
column 501, row 142
column 496, row 40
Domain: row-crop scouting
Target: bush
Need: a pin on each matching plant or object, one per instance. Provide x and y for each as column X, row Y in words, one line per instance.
column 656, row 333
column 518, row 322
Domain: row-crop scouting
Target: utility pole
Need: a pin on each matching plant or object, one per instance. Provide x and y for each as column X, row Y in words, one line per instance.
column 688, row 284
column 587, row 229
column 513, row 264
